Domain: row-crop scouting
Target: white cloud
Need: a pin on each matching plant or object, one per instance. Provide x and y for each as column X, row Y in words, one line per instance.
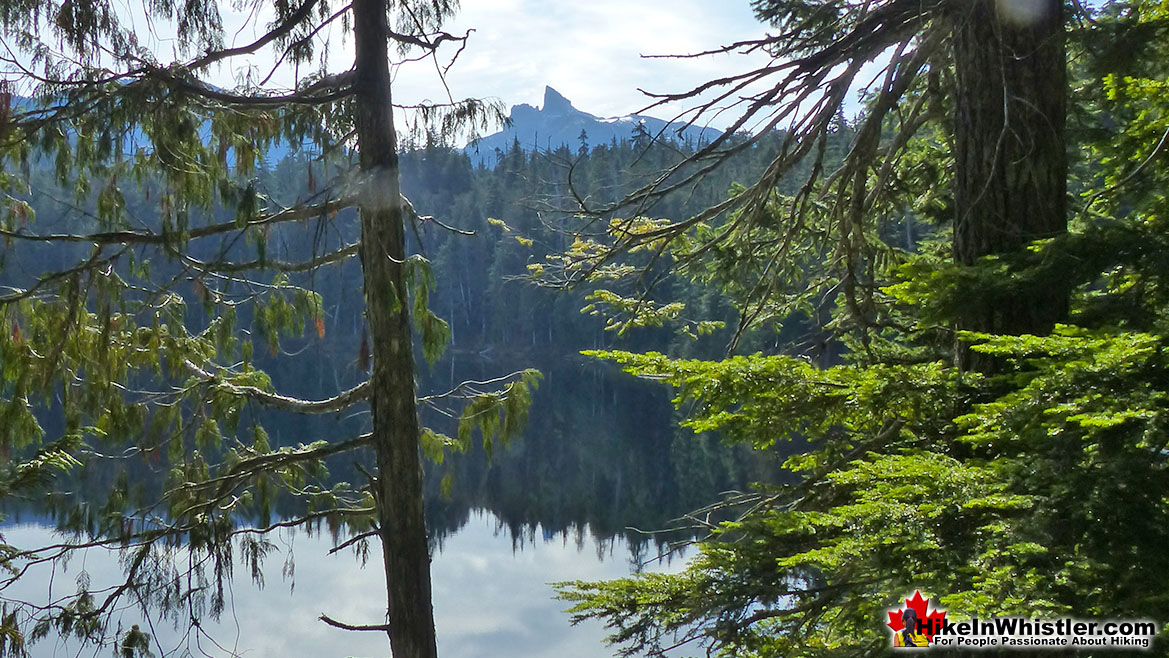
column 590, row 52
column 491, row 601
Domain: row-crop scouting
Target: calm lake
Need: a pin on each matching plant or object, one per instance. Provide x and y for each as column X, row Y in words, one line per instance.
column 600, row 465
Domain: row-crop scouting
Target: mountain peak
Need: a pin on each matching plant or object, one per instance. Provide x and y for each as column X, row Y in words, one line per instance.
column 558, row 124
column 555, row 102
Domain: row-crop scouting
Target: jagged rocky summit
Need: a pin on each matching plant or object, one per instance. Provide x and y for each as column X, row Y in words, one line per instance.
column 558, row 123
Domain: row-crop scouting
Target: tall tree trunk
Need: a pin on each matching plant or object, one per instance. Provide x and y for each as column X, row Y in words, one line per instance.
column 395, row 419
column 1011, row 164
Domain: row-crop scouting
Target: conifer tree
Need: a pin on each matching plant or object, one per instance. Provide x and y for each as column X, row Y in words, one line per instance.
column 147, row 374
column 988, row 404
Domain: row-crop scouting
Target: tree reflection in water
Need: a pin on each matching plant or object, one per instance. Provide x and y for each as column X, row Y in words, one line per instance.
column 599, row 468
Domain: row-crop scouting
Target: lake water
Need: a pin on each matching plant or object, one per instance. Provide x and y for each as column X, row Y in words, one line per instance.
column 599, row 464
column 491, row 598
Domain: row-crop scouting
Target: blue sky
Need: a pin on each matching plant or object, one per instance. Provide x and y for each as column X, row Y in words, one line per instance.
column 590, row 51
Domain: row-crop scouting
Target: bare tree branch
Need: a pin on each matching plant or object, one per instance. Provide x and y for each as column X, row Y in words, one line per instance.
column 384, row 628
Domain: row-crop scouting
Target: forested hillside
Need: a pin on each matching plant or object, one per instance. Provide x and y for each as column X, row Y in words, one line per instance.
column 505, row 220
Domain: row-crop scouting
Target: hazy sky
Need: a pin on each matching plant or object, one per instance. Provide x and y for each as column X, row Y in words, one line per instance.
column 590, row 51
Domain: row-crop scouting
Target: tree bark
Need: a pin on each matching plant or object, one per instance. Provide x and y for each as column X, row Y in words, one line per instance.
column 1010, row 157
column 398, row 489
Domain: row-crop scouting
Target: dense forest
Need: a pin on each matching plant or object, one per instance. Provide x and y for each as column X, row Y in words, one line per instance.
column 943, row 315
column 483, row 279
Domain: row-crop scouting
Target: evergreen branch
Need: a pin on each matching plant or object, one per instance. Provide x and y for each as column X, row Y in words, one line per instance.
column 308, row 37
column 201, row 89
column 253, row 465
column 270, row 264
column 286, row 27
column 802, row 77
column 1131, row 175
column 471, row 382
column 303, row 520
column 90, row 263
column 420, row 42
column 284, row 402
column 745, row 46
column 295, row 213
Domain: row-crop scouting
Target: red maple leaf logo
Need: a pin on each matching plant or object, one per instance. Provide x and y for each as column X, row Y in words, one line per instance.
column 930, row 622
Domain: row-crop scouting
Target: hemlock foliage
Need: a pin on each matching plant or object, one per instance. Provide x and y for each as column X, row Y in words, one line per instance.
column 1021, row 472
column 134, row 330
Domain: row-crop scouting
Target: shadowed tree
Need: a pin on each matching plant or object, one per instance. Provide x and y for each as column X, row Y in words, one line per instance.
column 142, row 375
column 1001, row 374
column 983, row 82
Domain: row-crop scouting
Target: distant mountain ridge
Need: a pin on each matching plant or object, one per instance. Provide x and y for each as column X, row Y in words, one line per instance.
column 558, row 123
